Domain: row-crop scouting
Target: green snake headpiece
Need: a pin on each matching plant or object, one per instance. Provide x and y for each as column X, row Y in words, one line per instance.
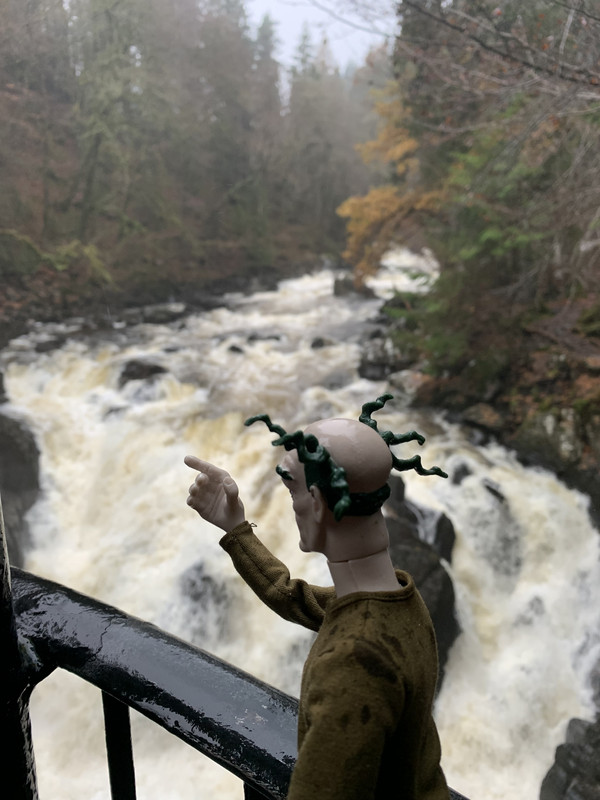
column 321, row 470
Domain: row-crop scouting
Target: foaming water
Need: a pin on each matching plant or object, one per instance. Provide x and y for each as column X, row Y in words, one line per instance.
column 527, row 575
column 112, row 523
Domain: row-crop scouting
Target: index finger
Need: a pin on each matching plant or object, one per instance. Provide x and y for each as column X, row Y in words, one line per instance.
column 205, row 467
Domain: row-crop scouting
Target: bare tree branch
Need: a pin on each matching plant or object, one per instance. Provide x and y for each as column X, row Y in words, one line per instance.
column 570, row 72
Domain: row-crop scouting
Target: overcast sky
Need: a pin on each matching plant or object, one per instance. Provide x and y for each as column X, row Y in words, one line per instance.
column 347, row 41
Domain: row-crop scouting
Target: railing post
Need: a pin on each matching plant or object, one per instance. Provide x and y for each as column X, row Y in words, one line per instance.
column 18, row 771
column 119, row 748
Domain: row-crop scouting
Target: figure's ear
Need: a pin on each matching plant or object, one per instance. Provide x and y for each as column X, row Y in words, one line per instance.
column 319, row 506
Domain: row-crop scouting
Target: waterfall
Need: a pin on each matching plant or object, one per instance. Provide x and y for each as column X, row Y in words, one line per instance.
column 112, row 522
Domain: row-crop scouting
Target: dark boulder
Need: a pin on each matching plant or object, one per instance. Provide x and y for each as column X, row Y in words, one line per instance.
column 139, row 370
column 19, row 482
column 344, row 286
column 575, row 774
column 381, row 357
column 210, row 603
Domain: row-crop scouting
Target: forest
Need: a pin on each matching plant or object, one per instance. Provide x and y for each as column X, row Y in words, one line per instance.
column 147, row 146
column 150, row 148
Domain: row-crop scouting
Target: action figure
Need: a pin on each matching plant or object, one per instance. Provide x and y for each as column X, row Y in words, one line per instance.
column 365, row 725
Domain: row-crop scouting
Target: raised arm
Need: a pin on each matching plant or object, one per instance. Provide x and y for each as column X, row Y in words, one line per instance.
column 215, row 495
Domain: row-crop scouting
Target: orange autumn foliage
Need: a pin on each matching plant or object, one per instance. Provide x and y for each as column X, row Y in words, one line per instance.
column 376, row 220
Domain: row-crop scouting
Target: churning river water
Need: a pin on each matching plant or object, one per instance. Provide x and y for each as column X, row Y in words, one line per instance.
column 112, row 522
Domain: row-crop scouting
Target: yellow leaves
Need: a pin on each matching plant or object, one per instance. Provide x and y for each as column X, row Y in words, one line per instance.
column 366, row 217
column 408, row 167
column 430, row 201
column 401, row 149
column 393, row 143
column 375, row 221
column 379, row 219
column 364, row 211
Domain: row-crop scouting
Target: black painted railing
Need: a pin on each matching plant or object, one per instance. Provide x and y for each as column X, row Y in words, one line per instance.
column 244, row 725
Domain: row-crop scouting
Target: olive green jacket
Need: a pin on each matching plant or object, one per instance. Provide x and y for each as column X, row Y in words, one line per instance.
column 365, row 726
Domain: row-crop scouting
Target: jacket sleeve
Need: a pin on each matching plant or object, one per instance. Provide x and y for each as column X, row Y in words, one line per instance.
column 292, row 598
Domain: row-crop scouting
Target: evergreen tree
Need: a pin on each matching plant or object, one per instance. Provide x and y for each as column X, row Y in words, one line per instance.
column 491, row 134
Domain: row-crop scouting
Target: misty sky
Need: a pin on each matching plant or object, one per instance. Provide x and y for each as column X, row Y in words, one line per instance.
column 347, row 42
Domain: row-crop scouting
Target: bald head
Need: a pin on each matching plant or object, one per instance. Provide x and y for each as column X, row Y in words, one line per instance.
column 357, row 448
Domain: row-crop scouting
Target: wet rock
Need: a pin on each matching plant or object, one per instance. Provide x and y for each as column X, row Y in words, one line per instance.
column 157, row 314
column 50, row 344
column 19, row 482
column 319, row 342
column 592, row 432
column 444, row 536
column 139, row 370
column 494, row 489
column 552, row 439
column 380, row 358
column 210, row 600
column 435, row 528
column 263, row 337
column 502, row 545
column 460, row 472
column 595, row 684
column 575, row 774
column 397, row 493
column 485, row 416
column 406, row 384
column 344, row 286
column 409, row 519
column 337, row 379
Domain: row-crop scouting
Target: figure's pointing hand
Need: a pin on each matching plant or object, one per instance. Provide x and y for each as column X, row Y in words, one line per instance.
column 215, row 495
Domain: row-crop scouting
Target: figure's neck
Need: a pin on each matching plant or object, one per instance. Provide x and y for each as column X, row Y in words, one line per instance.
column 374, row 573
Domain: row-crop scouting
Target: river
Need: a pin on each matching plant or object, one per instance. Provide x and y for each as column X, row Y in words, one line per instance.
column 112, row 522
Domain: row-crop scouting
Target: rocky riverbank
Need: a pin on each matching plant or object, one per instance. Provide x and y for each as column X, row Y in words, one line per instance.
column 545, row 406
column 55, row 297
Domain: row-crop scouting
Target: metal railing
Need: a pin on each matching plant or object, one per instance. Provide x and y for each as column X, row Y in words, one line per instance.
column 243, row 724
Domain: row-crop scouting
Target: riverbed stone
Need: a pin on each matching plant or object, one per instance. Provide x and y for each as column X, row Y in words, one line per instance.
column 485, row 416
column 19, row 482
column 139, row 370
column 155, row 314
column 552, row 439
column 405, row 384
column 592, row 431
column 344, row 286
column 380, row 358
column 575, row 774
